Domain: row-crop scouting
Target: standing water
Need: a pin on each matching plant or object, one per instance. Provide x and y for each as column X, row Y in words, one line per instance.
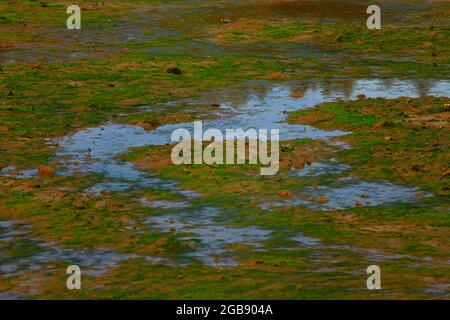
column 95, row 150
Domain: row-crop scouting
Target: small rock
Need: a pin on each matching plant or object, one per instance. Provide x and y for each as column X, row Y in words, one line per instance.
column 285, row 194
column 296, row 95
column 75, row 83
column 190, row 245
column 148, row 125
column 322, row 199
column 380, row 124
column 173, row 70
column 339, row 38
column 361, row 96
column 287, row 148
column 37, row 67
column 215, row 104
column 225, row 20
column 358, row 204
column 45, row 171
column 275, row 76
column 387, row 138
column 78, row 204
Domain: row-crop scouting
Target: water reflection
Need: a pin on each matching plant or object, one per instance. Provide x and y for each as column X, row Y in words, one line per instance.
column 260, row 105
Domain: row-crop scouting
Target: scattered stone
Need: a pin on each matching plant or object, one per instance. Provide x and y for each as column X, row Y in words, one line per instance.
column 287, row 148
column 37, row 67
column 339, row 38
column 148, row 124
column 275, row 76
column 191, row 245
column 296, row 95
column 225, row 21
column 381, row 124
column 173, row 70
column 285, row 194
column 387, row 138
column 322, row 199
column 358, row 204
column 361, row 96
column 78, row 204
column 45, row 171
column 75, row 83
column 364, row 196
column 215, row 104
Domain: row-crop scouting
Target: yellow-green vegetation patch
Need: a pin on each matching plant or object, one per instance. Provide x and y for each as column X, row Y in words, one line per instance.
column 405, row 139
